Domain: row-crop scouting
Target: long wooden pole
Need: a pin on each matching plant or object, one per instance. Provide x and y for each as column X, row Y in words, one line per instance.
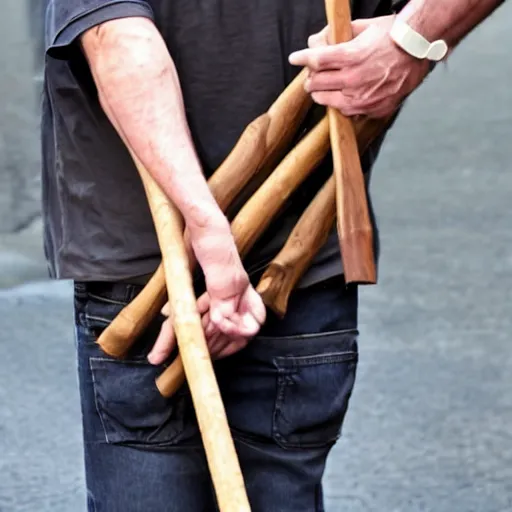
column 218, row 444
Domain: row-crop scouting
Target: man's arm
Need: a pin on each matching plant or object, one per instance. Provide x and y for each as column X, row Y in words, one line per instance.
column 139, row 90
column 371, row 75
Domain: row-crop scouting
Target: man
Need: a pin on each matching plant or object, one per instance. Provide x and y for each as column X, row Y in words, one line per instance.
column 179, row 80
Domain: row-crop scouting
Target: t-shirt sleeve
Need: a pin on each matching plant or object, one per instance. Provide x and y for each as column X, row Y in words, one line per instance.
column 66, row 20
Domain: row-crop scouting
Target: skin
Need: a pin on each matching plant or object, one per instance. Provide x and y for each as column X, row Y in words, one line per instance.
column 371, row 75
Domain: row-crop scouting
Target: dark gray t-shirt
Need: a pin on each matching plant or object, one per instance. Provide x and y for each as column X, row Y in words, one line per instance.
column 231, row 57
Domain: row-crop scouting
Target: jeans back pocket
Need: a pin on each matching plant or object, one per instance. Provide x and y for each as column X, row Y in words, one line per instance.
column 313, row 393
column 131, row 408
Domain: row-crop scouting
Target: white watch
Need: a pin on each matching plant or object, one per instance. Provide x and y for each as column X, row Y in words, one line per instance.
column 415, row 44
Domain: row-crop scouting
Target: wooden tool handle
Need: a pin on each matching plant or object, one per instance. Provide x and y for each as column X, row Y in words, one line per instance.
column 219, row 447
column 119, row 337
column 306, row 239
column 267, row 201
column 260, row 146
column 310, row 233
column 262, row 143
column 353, row 219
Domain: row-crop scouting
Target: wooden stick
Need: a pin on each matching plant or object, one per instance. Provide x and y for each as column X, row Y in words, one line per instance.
column 260, row 146
column 306, row 239
column 309, row 234
column 259, row 212
column 218, row 444
column 353, row 219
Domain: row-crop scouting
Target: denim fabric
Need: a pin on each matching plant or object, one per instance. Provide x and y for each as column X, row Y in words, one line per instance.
column 285, row 395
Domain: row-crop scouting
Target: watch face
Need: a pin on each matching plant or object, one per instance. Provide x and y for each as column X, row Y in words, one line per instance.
column 437, row 50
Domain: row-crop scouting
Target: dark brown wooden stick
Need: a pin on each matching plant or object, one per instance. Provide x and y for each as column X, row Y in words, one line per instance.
column 261, row 145
column 353, row 219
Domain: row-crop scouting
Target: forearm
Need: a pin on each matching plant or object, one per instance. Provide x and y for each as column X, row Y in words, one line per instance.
column 450, row 20
column 140, row 92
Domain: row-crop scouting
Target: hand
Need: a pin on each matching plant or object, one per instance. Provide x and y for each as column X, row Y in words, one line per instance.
column 368, row 75
column 220, row 345
column 231, row 309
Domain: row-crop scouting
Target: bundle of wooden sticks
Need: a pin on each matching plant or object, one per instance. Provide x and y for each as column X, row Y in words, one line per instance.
column 262, row 150
column 259, row 147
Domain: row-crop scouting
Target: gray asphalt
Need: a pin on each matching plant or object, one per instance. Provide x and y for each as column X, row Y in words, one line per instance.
column 429, row 426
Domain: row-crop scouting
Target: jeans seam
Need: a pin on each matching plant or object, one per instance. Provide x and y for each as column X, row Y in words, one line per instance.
column 97, row 319
column 281, row 386
column 106, row 299
column 352, row 330
column 316, row 360
column 94, row 385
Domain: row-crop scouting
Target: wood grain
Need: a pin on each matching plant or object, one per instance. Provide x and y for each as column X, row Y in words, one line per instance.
column 310, row 233
column 353, row 219
column 211, row 416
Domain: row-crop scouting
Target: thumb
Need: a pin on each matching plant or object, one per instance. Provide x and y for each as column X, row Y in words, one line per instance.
column 164, row 345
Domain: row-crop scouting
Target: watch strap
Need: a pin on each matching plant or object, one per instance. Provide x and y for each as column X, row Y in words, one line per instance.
column 415, row 44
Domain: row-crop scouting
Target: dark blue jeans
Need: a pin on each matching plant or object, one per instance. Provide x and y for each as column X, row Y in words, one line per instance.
column 285, row 395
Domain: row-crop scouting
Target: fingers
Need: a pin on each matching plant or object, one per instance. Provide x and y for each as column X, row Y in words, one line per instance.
column 164, row 345
column 317, row 58
column 256, row 305
column 326, row 81
column 203, row 303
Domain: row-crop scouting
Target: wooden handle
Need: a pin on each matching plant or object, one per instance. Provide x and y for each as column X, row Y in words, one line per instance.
column 353, row 219
column 117, row 339
column 266, row 202
column 262, row 143
column 218, row 444
column 261, row 209
column 259, row 146
column 306, row 239
column 310, row 233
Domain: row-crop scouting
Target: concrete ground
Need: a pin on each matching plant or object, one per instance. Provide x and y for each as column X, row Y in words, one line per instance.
column 429, row 427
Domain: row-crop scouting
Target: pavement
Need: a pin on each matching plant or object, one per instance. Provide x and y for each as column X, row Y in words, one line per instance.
column 429, row 425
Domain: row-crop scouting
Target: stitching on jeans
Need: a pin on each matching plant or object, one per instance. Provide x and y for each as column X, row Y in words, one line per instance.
column 97, row 319
column 142, row 362
column 106, row 299
column 310, row 335
column 316, row 359
column 96, row 400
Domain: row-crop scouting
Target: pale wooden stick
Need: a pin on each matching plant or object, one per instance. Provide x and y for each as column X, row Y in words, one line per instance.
column 211, row 416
